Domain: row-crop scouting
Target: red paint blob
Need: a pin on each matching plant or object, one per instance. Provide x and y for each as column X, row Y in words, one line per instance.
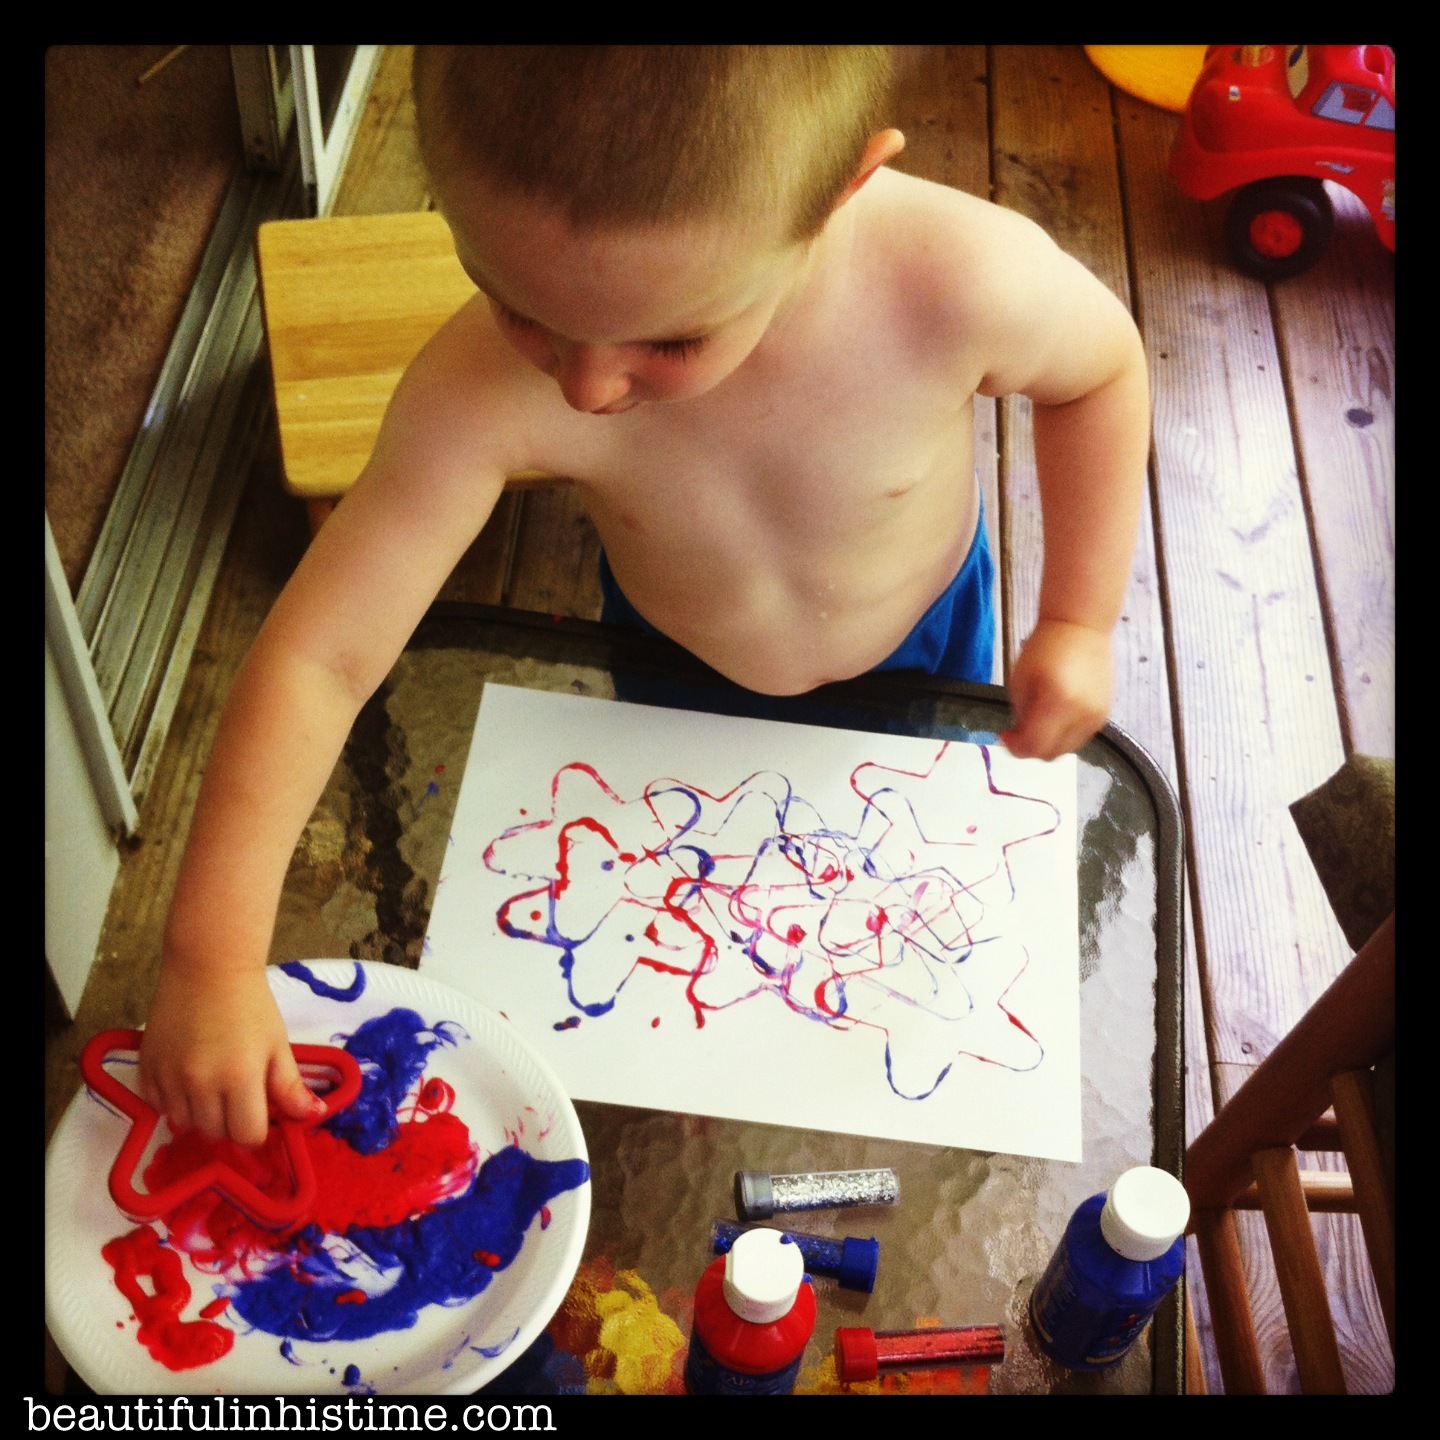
column 428, row 1161
column 436, row 1096
column 351, row 1297
column 177, row 1344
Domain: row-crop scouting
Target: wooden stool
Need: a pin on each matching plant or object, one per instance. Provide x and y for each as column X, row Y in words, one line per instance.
column 348, row 302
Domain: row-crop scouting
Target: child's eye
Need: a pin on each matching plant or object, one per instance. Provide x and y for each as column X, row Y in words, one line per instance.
column 678, row 349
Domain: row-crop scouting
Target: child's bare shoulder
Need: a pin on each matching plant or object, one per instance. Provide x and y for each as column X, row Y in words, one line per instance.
column 983, row 282
column 468, row 406
column 950, row 248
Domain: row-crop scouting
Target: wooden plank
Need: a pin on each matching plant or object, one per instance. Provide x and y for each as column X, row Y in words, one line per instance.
column 941, row 103
column 556, row 566
column 1199, row 1111
column 483, row 571
column 1257, row 719
column 1055, row 162
column 383, row 174
column 1336, row 328
column 1256, row 715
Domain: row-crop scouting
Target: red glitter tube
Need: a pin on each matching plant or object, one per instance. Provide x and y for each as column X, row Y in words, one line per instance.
column 861, row 1354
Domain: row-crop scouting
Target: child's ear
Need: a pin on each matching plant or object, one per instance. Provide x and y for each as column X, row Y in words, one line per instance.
column 880, row 149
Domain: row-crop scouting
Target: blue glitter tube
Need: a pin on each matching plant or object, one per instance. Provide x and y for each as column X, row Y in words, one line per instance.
column 850, row 1261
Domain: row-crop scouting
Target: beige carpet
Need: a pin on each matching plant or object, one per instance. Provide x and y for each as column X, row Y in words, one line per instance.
column 135, row 175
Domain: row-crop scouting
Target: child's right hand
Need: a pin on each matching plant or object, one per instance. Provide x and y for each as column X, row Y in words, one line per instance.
column 215, row 1057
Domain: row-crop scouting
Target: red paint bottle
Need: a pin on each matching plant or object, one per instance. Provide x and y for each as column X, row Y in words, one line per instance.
column 754, row 1315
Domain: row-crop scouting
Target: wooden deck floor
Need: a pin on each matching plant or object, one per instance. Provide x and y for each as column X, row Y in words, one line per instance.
column 1257, row 646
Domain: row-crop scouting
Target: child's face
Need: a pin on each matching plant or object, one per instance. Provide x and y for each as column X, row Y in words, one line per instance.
column 621, row 317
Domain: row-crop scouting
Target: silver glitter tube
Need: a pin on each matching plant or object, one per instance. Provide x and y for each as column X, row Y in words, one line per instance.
column 759, row 1196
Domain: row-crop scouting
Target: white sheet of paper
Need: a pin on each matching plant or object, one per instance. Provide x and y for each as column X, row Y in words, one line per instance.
column 871, row 934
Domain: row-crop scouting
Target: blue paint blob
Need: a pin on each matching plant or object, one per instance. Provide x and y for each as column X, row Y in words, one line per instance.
column 434, row 1258
column 353, row 991
column 391, row 1050
column 352, row 1375
column 491, row 1351
column 569, row 1023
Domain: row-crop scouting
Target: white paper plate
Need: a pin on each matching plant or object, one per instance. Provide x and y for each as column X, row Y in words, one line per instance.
column 503, row 1092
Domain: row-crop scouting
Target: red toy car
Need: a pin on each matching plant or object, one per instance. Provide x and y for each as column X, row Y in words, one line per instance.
column 1270, row 122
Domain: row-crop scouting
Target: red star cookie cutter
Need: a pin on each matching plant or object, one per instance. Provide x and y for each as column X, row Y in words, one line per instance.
column 274, row 1212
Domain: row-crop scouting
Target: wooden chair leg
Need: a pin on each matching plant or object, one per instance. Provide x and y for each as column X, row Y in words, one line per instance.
column 1229, row 1300
column 1194, row 1360
column 1354, row 1097
column 1297, row 1267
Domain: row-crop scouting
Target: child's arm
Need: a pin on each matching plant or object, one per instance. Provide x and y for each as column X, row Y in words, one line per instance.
column 1090, row 458
column 215, row 1049
column 1072, row 347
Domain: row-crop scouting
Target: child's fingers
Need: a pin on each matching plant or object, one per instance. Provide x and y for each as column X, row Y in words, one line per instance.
column 1034, row 741
column 207, row 1113
column 289, row 1094
column 1046, row 731
column 247, row 1117
column 174, row 1107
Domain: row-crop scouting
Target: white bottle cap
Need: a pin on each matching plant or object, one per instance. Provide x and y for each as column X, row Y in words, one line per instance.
column 763, row 1275
column 1146, row 1211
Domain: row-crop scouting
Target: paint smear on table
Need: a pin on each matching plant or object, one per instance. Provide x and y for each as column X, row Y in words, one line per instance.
column 797, row 925
column 409, row 1214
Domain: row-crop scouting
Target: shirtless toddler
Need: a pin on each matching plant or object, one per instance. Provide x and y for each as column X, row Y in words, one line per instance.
column 754, row 348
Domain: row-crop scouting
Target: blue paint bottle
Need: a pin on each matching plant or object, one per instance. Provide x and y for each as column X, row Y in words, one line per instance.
column 1121, row 1255
column 754, row 1315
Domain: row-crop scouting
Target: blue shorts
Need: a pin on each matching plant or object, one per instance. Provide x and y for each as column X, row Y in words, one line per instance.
column 954, row 638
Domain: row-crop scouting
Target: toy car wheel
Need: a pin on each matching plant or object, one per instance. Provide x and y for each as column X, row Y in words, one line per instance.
column 1279, row 228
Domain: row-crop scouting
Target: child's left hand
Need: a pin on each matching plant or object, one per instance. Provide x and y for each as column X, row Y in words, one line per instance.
column 1059, row 690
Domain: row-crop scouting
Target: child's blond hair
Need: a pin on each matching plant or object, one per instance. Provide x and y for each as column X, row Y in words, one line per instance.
column 623, row 135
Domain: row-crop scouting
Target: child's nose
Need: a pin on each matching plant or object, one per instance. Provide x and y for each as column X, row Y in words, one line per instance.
column 591, row 378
